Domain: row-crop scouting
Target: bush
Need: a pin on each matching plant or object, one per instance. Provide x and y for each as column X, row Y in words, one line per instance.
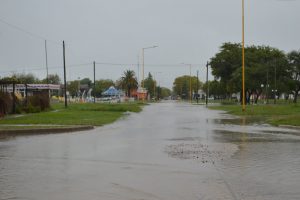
column 5, row 103
column 32, row 109
column 40, row 101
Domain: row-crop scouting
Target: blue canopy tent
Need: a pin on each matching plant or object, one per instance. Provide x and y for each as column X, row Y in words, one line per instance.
column 112, row 91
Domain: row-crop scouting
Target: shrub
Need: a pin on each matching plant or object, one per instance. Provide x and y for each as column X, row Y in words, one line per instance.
column 5, row 103
column 40, row 100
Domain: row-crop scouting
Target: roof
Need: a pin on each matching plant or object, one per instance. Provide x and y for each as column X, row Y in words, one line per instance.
column 112, row 91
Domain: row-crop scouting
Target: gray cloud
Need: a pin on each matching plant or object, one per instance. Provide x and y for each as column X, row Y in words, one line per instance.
column 115, row 31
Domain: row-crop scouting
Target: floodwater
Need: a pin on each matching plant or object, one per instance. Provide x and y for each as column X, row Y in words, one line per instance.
column 169, row 151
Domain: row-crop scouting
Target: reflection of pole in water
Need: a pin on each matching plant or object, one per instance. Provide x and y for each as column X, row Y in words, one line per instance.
column 244, row 137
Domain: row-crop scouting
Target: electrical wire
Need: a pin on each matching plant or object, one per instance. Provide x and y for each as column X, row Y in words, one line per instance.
column 28, row 32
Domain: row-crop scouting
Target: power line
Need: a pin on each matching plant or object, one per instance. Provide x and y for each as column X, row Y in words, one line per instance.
column 36, row 68
column 28, row 32
column 154, row 65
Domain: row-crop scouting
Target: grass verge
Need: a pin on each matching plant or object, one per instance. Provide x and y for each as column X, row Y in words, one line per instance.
column 288, row 114
column 75, row 114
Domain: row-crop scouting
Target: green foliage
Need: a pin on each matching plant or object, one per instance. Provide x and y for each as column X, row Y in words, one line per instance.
column 150, row 84
column 181, row 86
column 52, row 79
column 73, row 87
column 165, row 92
column 102, row 85
column 294, row 73
column 86, row 81
column 216, row 89
column 128, row 82
column 36, row 103
column 5, row 103
column 264, row 65
column 287, row 114
column 26, row 78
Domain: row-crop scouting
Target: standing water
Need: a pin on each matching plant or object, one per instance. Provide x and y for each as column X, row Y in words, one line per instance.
column 168, row 151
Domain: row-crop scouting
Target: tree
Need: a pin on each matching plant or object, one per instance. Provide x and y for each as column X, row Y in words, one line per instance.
column 164, row 92
column 181, row 86
column 294, row 73
column 86, row 81
column 264, row 66
column 73, row 87
column 149, row 83
column 216, row 89
column 26, row 78
column 102, row 85
column 225, row 63
column 52, row 79
column 128, row 82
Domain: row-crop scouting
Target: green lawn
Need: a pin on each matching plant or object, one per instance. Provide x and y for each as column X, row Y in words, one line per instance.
column 283, row 114
column 76, row 114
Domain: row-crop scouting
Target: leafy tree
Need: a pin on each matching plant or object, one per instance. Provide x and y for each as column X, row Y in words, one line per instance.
column 128, row 82
column 264, row 66
column 181, row 86
column 215, row 89
column 149, row 83
column 164, row 92
column 225, row 63
column 294, row 73
column 52, row 79
column 26, row 78
column 73, row 87
column 101, row 85
column 86, row 81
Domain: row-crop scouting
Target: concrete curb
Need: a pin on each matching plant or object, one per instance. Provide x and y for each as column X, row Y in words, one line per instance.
column 39, row 131
column 290, row 126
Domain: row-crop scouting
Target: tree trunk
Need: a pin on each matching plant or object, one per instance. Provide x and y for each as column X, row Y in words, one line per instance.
column 256, row 98
column 296, row 96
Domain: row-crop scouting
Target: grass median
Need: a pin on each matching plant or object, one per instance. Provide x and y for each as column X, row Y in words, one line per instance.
column 75, row 114
column 275, row 114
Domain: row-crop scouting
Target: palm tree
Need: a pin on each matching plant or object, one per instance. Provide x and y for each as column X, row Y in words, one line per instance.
column 129, row 82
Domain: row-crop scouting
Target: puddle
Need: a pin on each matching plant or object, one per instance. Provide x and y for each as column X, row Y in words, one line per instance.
column 241, row 137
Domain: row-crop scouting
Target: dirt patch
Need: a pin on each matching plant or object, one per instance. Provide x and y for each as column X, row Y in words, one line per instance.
column 204, row 153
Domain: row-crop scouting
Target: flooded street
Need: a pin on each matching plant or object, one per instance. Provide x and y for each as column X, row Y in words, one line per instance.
column 168, row 151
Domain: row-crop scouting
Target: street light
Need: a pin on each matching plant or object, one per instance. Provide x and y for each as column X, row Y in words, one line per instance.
column 190, row 80
column 143, row 49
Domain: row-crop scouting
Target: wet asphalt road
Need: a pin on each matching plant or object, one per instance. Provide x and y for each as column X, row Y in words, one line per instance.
column 168, row 151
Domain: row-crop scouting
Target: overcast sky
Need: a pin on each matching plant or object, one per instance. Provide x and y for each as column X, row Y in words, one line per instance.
column 115, row 31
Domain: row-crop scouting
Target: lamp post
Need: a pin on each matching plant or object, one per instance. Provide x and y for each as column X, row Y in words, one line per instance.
column 143, row 62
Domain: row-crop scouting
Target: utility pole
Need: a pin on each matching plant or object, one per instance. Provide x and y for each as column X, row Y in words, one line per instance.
column 143, row 63
column 275, row 92
column 197, row 86
column 94, row 82
column 138, row 68
column 243, row 56
column 206, row 99
column 46, row 61
column 65, row 79
column 267, row 98
column 191, row 83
